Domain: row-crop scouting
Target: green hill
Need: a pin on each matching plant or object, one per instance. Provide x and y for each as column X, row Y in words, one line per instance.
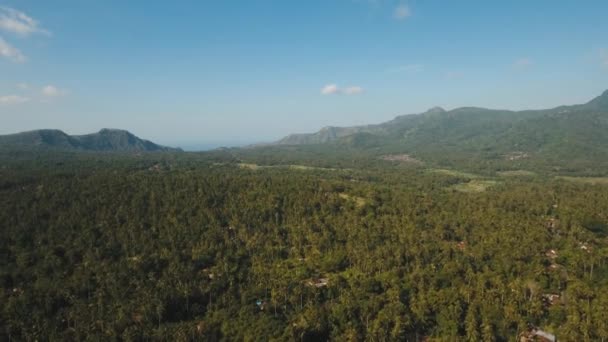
column 105, row 140
column 566, row 137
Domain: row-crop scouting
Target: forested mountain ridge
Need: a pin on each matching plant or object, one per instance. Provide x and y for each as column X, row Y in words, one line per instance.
column 104, row 140
column 561, row 132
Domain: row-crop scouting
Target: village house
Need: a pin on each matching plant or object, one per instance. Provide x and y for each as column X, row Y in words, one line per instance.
column 551, row 299
column 261, row 304
column 462, row 245
column 209, row 273
column 536, row 335
column 585, row 247
column 318, row 283
column 551, row 254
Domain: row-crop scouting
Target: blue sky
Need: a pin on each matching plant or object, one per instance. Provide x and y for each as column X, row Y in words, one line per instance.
column 230, row 72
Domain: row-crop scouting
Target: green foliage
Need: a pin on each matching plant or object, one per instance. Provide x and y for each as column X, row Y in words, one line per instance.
column 193, row 247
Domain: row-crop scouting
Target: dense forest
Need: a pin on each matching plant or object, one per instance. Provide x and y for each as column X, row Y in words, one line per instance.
column 206, row 247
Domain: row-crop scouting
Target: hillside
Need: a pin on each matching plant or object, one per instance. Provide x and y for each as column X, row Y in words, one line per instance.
column 563, row 137
column 105, row 140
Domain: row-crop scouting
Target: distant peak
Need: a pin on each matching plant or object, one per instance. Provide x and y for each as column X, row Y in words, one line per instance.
column 112, row 130
column 436, row 110
column 603, row 96
column 50, row 130
column 600, row 102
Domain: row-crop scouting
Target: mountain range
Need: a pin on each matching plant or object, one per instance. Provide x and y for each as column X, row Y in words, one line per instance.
column 106, row 140
column 559, row 135
column 469, row 124
column 566, row 137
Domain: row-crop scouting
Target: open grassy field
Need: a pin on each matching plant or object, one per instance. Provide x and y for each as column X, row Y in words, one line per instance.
column 475, row 185
column 585, row 180
column 516, row 173
column 252, row 166
column 455, row 173
column 359, row 201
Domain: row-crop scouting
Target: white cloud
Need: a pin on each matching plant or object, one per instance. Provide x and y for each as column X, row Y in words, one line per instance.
column 10, row 52
column 53, row 91
column 402, row 12
column 523, row 63
column 330, row 89
column 12, row 99
column 410, row 68
column 23, row 86
column 15, row 21
column 353, row 90
column 333, row 89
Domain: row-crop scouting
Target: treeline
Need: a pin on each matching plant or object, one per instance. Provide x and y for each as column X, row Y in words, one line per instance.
column 182, row 249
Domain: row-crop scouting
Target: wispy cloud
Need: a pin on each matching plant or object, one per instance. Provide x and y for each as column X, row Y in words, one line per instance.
column 23, row 86
column 333, row 89
column 53, row 91
column 523, row 63
column 353, row 90
column 12, row 99
column 330, row 89
column 409, row 68
column 15, row 21
column 402, row 12
column 11, row 52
